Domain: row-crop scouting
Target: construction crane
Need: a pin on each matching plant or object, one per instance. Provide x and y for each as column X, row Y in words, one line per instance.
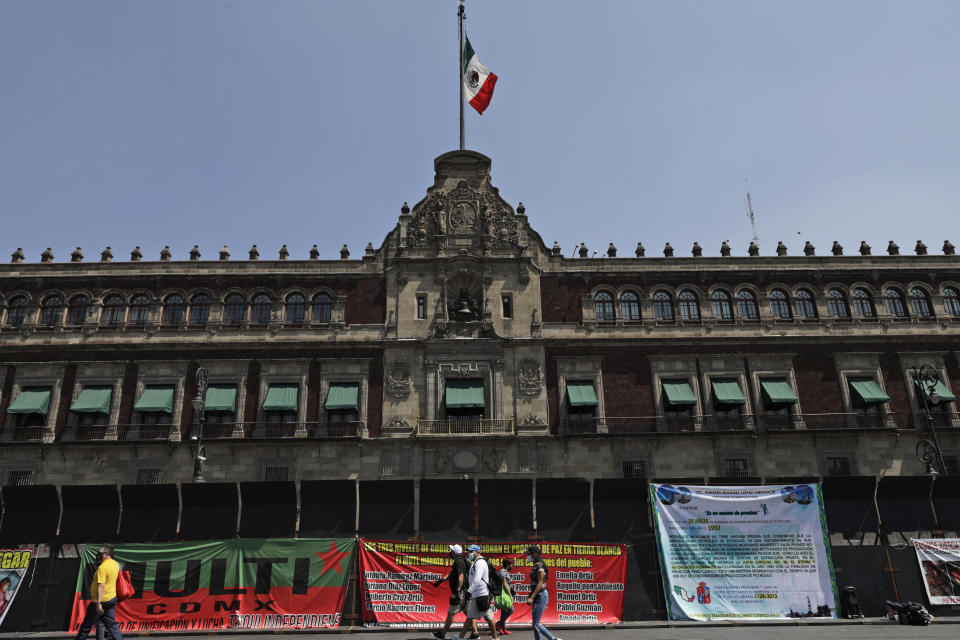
column 751, row 214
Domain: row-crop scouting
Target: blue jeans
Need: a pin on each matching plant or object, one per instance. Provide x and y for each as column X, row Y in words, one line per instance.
column 539, row 604
column 108, row 618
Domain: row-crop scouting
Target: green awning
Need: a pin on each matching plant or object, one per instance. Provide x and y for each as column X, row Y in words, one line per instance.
column 727, row 392
column 465, row 394
column 342, row 396
column 31, row 401
column 282, row 397
column 941, row 390
column 222, row 398
column 581, row 394
column 155, row 400
column 93, row 400
column 868, row 391
column 778, row 392
column 679, row 393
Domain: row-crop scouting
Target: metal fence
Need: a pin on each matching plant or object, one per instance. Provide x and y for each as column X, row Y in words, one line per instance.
column 465, row 427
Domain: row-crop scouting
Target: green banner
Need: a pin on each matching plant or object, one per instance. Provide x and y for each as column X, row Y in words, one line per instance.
column 240, row 583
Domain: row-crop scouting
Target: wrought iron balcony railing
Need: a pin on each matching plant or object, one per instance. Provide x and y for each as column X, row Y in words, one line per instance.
column 465, row 427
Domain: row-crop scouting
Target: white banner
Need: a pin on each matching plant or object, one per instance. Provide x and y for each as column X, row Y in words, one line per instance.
column 13, row 566
column 939, row 560
column 735, row 553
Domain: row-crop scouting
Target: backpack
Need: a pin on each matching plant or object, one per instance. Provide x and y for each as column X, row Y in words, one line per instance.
column 494, row 579
column 124, row 586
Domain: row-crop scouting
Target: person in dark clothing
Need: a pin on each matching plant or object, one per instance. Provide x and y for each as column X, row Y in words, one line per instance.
column 456, row 579
column 539, row 596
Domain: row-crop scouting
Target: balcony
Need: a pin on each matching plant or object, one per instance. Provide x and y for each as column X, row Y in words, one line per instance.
column 616, row 425
column 465, row 427
column 282, row 430
column 120, row 432
column 828, row 421
column 24, row 434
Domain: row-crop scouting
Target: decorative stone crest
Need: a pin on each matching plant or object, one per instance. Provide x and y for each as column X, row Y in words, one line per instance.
column 463, row 211
column 398, row 381
column 532, row 420
column 530, row 377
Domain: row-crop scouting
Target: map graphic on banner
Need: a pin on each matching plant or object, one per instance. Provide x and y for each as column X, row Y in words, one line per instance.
column 939, row 560
column 585, row 581
column 13, row 566
column 734, row 553
column 216, row 584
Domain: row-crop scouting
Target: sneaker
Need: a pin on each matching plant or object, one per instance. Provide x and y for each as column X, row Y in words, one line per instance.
column 438, row 635
column 505, row 632
column 474, row 636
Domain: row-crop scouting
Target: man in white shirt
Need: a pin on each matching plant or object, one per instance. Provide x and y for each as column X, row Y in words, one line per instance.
column 481, row 604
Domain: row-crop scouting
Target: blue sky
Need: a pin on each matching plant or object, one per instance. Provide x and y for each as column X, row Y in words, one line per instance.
column 296, row 122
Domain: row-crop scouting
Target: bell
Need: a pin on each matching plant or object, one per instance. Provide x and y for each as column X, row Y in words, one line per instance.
column 464, row 309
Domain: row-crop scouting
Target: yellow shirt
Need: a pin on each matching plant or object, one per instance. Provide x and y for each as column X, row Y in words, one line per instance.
column 106, row 573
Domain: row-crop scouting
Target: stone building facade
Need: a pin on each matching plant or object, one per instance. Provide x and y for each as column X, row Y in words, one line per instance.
column 467, row 347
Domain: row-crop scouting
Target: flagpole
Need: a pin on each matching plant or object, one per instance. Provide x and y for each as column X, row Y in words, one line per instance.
column 460, row 17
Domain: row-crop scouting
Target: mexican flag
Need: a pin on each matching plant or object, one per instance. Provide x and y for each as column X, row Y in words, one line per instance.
column 478, row 81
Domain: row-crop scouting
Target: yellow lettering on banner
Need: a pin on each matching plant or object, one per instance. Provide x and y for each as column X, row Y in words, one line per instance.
column 5, row 562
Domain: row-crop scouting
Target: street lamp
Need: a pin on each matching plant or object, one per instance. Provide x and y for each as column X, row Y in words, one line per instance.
column 928, row 451
column 199, row 403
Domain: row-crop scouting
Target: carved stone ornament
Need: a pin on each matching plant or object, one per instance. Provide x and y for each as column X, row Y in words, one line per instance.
column 398, row 380
column 530, row 378
column 463, row 211
column 532, row 420
column 398, row 424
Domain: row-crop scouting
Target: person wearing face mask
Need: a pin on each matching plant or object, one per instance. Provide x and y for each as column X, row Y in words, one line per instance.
column 480, row 604
column 103, row 596
column 458, row 571
column 539, row 596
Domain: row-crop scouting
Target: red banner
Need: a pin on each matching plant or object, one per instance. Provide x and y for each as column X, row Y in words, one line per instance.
column 585, row 581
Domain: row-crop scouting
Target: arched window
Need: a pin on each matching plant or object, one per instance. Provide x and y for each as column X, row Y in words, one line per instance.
column 629, row 306
column 837, row 304
column 780, row 305
column 722, row 309
column 200, row 309
column 296, row 311
column 803, row 303
column 895, row 305
column 951, row 300
column 77, row 314
column 322, row 307
column 139, row 309
column 920, row 303
column 17, row 311
column 51, row 311
column 663, row 306
column 174, row 309
column 113, row 310
column 863, row 303
column 688, row 306
column 260, row 309
column 747, row 305
column 603, row 305
column 234, row 309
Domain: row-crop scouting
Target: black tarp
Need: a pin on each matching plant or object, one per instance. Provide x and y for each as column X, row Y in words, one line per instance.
column 863, row 567
column 848, row 502
column 90, row 513
column 328, row 508
column 386, row 509
column 446, row 510
column 150, row 512
column 210, row 510
column 30, row 514
column 45, row 598
column 563, row 509
column 268, row 509
column 506, row 509
column 904, row 503
column 946, row 498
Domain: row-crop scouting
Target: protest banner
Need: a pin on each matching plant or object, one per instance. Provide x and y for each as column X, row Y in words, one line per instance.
column 734, row 553
column 585, row 581
column 939, row 560
column 13, row 566
column 239, row 583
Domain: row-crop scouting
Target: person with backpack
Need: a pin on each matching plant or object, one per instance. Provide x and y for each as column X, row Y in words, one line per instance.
column 506, row 611
column 457, row 582
column 103, row 596
column 479, row 587
column 539, row 596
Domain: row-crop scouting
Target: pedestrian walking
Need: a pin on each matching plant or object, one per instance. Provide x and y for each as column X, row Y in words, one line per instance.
column 456, row 579
column 539, row 596
column 505, row 569
column 480, row 602
column 103, row 596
